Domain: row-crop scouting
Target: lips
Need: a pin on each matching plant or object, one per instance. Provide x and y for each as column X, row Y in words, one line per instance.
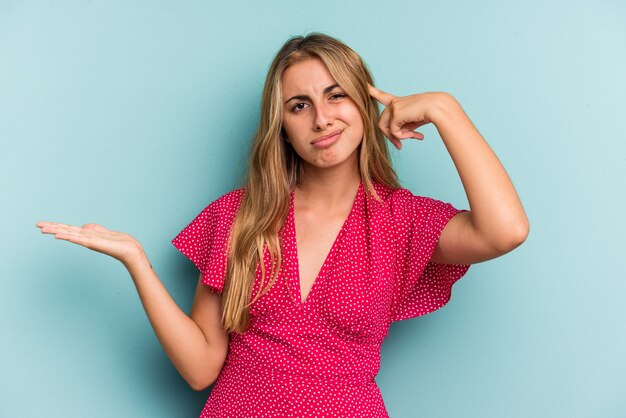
column 321, row 138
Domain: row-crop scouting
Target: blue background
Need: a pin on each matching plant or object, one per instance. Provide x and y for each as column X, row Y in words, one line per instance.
column 135, row 115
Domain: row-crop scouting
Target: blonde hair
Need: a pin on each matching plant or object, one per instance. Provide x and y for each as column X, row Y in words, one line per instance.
column 274, row 169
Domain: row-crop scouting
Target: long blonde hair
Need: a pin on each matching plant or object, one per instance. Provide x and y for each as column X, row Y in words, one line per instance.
column 274, row 169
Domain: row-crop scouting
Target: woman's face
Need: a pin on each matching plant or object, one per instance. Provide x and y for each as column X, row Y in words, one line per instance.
column 320, row 121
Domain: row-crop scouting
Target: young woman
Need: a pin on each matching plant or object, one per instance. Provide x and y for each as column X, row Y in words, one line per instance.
column 303, row 269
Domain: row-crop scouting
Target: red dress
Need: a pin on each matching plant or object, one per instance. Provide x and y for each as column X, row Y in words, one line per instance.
column 319, row 357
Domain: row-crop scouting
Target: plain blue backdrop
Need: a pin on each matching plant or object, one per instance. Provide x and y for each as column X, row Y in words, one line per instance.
column 136, row 115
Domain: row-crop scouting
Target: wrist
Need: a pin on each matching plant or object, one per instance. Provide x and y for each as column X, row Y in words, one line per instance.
column 137, row 261
column 444, row 104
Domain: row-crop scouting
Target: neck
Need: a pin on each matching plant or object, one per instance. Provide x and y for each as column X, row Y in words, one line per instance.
column 329, row 187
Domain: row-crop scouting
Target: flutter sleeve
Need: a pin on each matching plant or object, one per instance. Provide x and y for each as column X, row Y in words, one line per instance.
column 205, row 239
column 421, row 286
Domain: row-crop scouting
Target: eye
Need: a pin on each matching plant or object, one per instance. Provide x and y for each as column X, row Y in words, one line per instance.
column 338, row 96
column 298, row 107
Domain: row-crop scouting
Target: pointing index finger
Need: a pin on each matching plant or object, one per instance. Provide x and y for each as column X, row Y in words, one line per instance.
column 381, row 96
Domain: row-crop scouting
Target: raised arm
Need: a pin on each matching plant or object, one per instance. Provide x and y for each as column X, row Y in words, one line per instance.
column 496, row 223
column 196, row 344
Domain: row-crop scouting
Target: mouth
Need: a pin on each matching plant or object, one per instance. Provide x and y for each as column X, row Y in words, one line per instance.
column 327, row 139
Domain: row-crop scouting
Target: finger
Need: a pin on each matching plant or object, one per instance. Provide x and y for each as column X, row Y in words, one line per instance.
column 91, row 242
column 403, row 130
column 383, row 125
column 96, row 227
column 73, row 236
column 55, row 227
column 383, row 121
column 381, row 96
column 54, row 224
column 406, row 134
column 413, row 125
column 85, row 237
column 396, row 131
column 395, row 141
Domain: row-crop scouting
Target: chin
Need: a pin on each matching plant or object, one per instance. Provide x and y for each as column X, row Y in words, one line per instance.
column 331, row 162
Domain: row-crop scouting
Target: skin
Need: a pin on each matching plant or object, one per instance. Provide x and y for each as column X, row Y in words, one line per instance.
column 496, row 224
column 324, row 197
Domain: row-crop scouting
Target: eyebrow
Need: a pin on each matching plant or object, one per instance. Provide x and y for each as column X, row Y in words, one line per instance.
column 305, row 97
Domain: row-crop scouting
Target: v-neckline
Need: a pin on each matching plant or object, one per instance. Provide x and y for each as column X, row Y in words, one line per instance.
column 292, row 210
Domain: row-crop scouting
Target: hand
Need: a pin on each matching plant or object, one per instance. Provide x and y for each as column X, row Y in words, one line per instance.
column 95, row 237
column 402, row 115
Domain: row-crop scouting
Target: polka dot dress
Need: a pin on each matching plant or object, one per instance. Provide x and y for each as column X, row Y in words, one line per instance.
column 320, row 357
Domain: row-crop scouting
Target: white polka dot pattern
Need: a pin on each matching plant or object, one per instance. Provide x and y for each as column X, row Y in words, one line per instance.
column 320, row 357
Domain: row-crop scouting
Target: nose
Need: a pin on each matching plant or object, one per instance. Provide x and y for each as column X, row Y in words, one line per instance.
column 324, row 116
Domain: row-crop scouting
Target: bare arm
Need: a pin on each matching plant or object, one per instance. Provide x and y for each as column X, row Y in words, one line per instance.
column 196, row 344
column 497, row 222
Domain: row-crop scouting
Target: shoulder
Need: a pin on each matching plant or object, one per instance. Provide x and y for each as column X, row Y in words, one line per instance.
column 392, row 198
column 221, row 210
column 406, row 207
column 229, row 201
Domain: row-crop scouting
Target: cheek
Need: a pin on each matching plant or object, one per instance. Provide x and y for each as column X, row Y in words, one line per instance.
column 286, row 124
column 288, row 132
column 350, row 113
column 356, row 121
column 359, row 123
column 292, row 127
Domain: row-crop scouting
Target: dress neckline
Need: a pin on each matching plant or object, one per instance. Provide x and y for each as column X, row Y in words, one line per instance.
column 329, row 256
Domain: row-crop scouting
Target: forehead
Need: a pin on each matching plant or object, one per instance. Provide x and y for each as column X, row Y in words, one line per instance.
column 308, row 76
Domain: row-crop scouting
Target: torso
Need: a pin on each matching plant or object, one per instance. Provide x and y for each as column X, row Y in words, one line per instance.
column 306, row 359
column 316, row 233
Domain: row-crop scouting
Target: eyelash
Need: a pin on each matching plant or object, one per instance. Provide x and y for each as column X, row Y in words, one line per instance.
column 295, row 110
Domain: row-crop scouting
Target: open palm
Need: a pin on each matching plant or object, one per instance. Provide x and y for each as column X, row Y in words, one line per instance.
column 119, row 245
